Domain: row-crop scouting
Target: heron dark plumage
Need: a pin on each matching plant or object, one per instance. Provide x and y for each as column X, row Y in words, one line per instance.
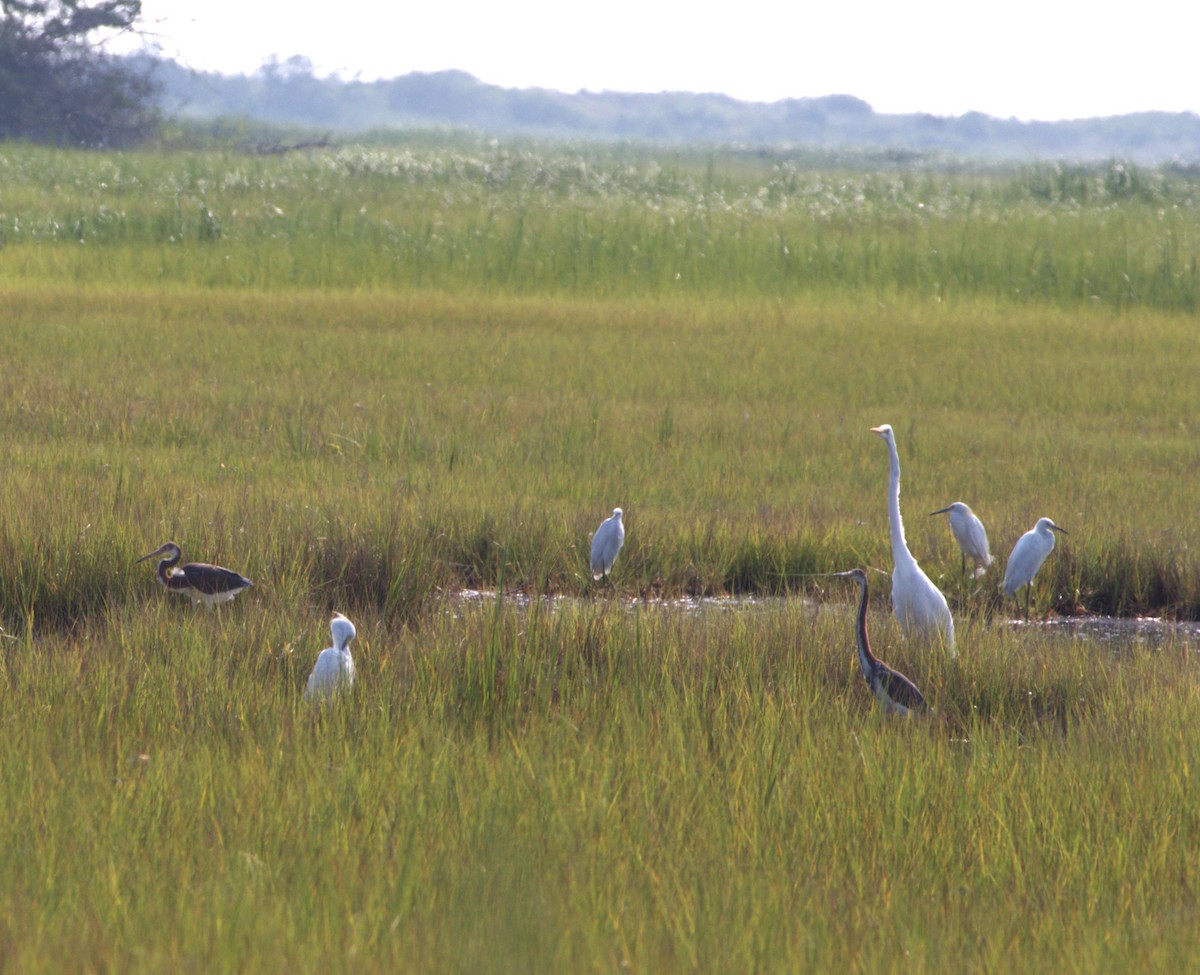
column 895, row 691
column 203, row 583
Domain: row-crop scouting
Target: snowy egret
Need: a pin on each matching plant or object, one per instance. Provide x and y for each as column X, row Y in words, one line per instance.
column 1027, row 557
column 970, row 535
column 606, row 543
column 204, row 583
column 917, row 602
column 895, row 691
column 334, row 669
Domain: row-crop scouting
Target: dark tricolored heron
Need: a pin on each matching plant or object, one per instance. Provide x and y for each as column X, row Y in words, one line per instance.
column 203, row 583
column 1027, row 557
column 895, row 691
column 334, row 669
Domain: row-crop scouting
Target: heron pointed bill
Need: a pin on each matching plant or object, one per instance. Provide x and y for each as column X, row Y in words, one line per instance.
column 161, row 550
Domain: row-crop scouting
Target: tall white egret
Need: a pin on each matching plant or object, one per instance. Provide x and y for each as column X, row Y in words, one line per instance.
column 606, row 543
column 334, row 669
column 917, row 602
column 896, row 692
column 1027, row 557
column 203, row 583
column 969, row 533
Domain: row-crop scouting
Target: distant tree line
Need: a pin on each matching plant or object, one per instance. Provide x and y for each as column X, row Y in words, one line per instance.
column 59, row 86
column 288, row 93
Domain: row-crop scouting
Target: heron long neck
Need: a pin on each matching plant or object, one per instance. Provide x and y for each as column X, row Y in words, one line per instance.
column 900, row 550
column 165, row 567
column 866, row 659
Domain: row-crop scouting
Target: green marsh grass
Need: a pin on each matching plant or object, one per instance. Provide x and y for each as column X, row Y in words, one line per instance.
column 535, row 220
column 371, row 379
column 387, row 448
column 596, row 784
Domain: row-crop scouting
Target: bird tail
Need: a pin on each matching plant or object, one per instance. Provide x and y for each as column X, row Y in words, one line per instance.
column 980, row 570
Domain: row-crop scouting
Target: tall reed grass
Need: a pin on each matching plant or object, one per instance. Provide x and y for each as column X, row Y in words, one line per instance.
column 531, row 220
column 589, row 785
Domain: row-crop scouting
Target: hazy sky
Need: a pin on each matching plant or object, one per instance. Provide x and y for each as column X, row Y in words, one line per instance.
column 1044, row 59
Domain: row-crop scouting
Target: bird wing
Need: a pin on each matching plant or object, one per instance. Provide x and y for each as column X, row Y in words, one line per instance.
column 324, row 672
column 601, row 543
column 900, row 689
column 1023, row 563
column 212, row 579
column 976, row 540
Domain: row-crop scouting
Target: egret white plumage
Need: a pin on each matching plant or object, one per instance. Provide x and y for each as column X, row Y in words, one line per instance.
column 896, row 692
column 1027, row 557
column 606, row 543
column 203, row 583
column 334, row 669
column 970, row 534
column 918, row 604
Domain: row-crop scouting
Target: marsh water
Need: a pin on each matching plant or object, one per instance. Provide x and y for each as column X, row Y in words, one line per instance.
column 1111, row 632
column 1116, row 631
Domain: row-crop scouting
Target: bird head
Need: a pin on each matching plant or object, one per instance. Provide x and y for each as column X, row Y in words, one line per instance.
column 858, row 575
column 169, row 549
column 885, row 431
column 617, row 513
column 1045, row 524
column 343, row 631
column 957, row 507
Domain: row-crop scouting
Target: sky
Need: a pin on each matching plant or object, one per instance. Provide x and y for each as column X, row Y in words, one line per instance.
column 1028, row 59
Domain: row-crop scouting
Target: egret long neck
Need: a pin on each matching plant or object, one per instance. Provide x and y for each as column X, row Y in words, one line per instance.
column 895, row 523
column 866, row 659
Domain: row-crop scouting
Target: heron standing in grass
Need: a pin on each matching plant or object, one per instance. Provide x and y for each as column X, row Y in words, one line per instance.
column 896, row 693
column 606, row 543
column 916, row 601
column 1027, row 557
column 203, row 583
column 969, row 533
column 334, row 669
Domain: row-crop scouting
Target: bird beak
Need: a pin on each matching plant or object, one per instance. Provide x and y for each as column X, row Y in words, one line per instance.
column 1063, row 530
column 940, row 511
column 157, row 551
column 878, row 430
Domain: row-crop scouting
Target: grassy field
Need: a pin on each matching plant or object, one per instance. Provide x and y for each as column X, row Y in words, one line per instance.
column 370, row 379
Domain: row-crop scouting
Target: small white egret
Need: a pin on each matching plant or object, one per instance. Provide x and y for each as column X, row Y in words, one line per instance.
column 916, row 601
column 204, row 583
column 1027, row 557
column 334, row 669
column 606, row 543
column 896, row 692
column 969, row 533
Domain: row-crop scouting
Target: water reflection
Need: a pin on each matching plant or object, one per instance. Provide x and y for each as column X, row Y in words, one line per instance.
column 1116, row 631
column 1112, row 631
